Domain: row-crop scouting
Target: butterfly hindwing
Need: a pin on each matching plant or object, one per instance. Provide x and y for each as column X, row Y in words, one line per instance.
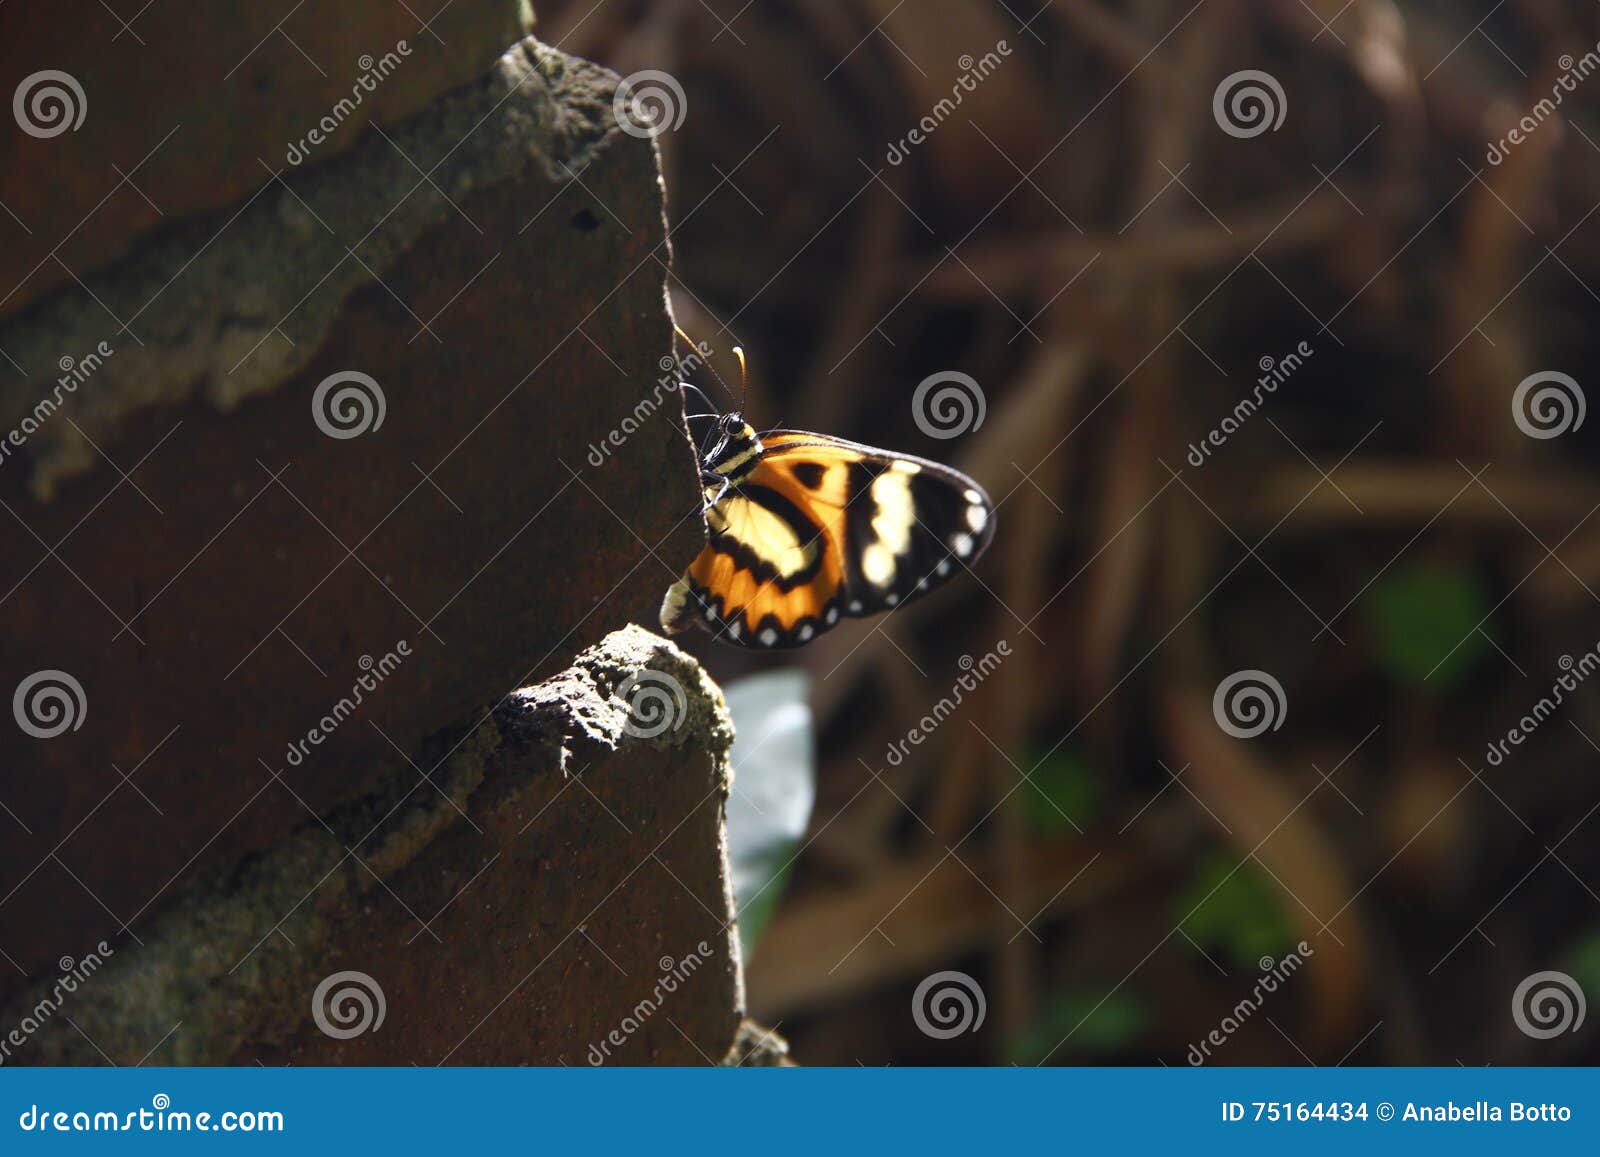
column 818, row 529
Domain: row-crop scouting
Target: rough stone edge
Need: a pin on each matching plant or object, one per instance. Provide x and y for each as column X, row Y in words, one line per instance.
column 212, row 957
column 757, row 1048
column 206, row 295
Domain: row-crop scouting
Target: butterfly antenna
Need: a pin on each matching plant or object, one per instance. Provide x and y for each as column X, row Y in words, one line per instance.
column 744, row 377
column 704, row 397
column 732, row 397
column 678, row 329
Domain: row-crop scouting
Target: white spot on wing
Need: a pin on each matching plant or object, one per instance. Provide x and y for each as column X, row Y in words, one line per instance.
column 768, row 637
column 895, row 513
column 977, row 516
column 961, row 544
column 832, row 616
column 877, row 564
column 805, row 633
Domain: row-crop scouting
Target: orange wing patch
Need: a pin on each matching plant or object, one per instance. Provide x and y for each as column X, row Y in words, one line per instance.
column 772, row 567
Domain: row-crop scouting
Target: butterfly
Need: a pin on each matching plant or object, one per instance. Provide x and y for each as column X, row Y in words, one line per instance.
column 803, row 530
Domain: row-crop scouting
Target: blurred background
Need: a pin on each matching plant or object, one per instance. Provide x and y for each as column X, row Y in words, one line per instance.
column 1276, row 318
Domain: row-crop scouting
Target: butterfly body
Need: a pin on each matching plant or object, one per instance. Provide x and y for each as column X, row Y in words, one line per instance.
column 803, row 530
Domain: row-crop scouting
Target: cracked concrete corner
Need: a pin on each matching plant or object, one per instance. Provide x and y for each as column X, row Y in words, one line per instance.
column 592, row 877
column 233, row 305
column 757, row 1048
column 633, row 684
column 200, row 590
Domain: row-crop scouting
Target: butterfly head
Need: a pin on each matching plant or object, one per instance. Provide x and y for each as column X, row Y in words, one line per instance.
column 737, row 447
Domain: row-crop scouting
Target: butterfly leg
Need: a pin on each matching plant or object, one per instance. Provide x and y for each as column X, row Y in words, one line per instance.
column 676, row 610
column 722, row 482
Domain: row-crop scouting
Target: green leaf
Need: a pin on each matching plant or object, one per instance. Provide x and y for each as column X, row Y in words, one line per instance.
column 1583, row 962
column 1089, row 1021
column 1425, row 618
column 1061, row 792
column 1235, row 910
column 774, row 787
